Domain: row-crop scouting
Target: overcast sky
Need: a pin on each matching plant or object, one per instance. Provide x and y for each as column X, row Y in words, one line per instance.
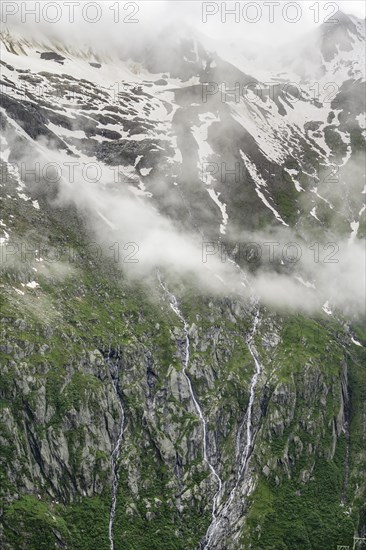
column 289, row 19
column 253, row 24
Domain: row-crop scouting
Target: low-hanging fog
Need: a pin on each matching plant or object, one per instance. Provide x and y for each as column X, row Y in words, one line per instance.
column 116, row 215
column 293, row 274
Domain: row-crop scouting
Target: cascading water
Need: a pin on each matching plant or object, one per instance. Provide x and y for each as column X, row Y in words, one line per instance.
column 114, row 458
column 218, row 515
column 215, row 524
column 175, row 307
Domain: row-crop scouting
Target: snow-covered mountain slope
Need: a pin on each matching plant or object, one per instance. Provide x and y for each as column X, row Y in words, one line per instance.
column 281, row 139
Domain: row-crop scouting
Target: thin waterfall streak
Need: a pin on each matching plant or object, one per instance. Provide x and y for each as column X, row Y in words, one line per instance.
column 114, row 467
column 249, row 431
column 175, row 307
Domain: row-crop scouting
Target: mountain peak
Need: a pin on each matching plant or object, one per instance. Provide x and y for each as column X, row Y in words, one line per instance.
column 338, row 35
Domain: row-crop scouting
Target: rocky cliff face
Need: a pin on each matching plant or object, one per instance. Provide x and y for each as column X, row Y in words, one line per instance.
column 220, row 422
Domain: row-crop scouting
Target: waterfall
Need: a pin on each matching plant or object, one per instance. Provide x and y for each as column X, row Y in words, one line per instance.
column 175, row 307
column 218, row 515
column 114, row 461
column 244, row 459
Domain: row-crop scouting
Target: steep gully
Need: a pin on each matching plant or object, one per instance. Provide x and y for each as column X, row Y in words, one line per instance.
column 218, row 515
column 244, row 459
column 116, row 450
column 175, row 307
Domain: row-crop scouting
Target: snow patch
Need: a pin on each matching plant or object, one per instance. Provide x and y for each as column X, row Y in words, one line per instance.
column 259, row 182
column 354, row 227
column 361, row 121
column 23, row 196
column 32, row 284
column 313, row 213
column 215, row 197
column 145, row 171
column 327, row 309
column 294, row 173
column 356, row 342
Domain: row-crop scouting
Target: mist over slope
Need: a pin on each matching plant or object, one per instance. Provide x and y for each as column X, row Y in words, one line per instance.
column 182, row 267
column 293, row 164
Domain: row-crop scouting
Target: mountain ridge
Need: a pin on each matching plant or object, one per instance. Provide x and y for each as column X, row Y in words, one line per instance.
column 174, row 374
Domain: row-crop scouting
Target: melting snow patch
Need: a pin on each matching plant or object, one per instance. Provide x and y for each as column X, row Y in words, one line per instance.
column 177, row 154
column 23, row 196
column 145, row 171
column 296, row 183
column 4, row 239
column 138, row 158
column 347, row 140
column 5, row 149
column 35, row 205
column 32, row 284
column 264, row 129
column 327, row 309
column 356, row 342
column 315, row 190
column 354, row 227
column 215, row 197
column 313, row 213
column 259, row 182
column 361, row 120
column 200, row 134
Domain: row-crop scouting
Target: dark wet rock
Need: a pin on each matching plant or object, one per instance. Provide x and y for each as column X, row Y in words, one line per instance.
column 6, row 65
column 52, row 56
column 109, row 134
column 32, row 79
column 31, row 119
